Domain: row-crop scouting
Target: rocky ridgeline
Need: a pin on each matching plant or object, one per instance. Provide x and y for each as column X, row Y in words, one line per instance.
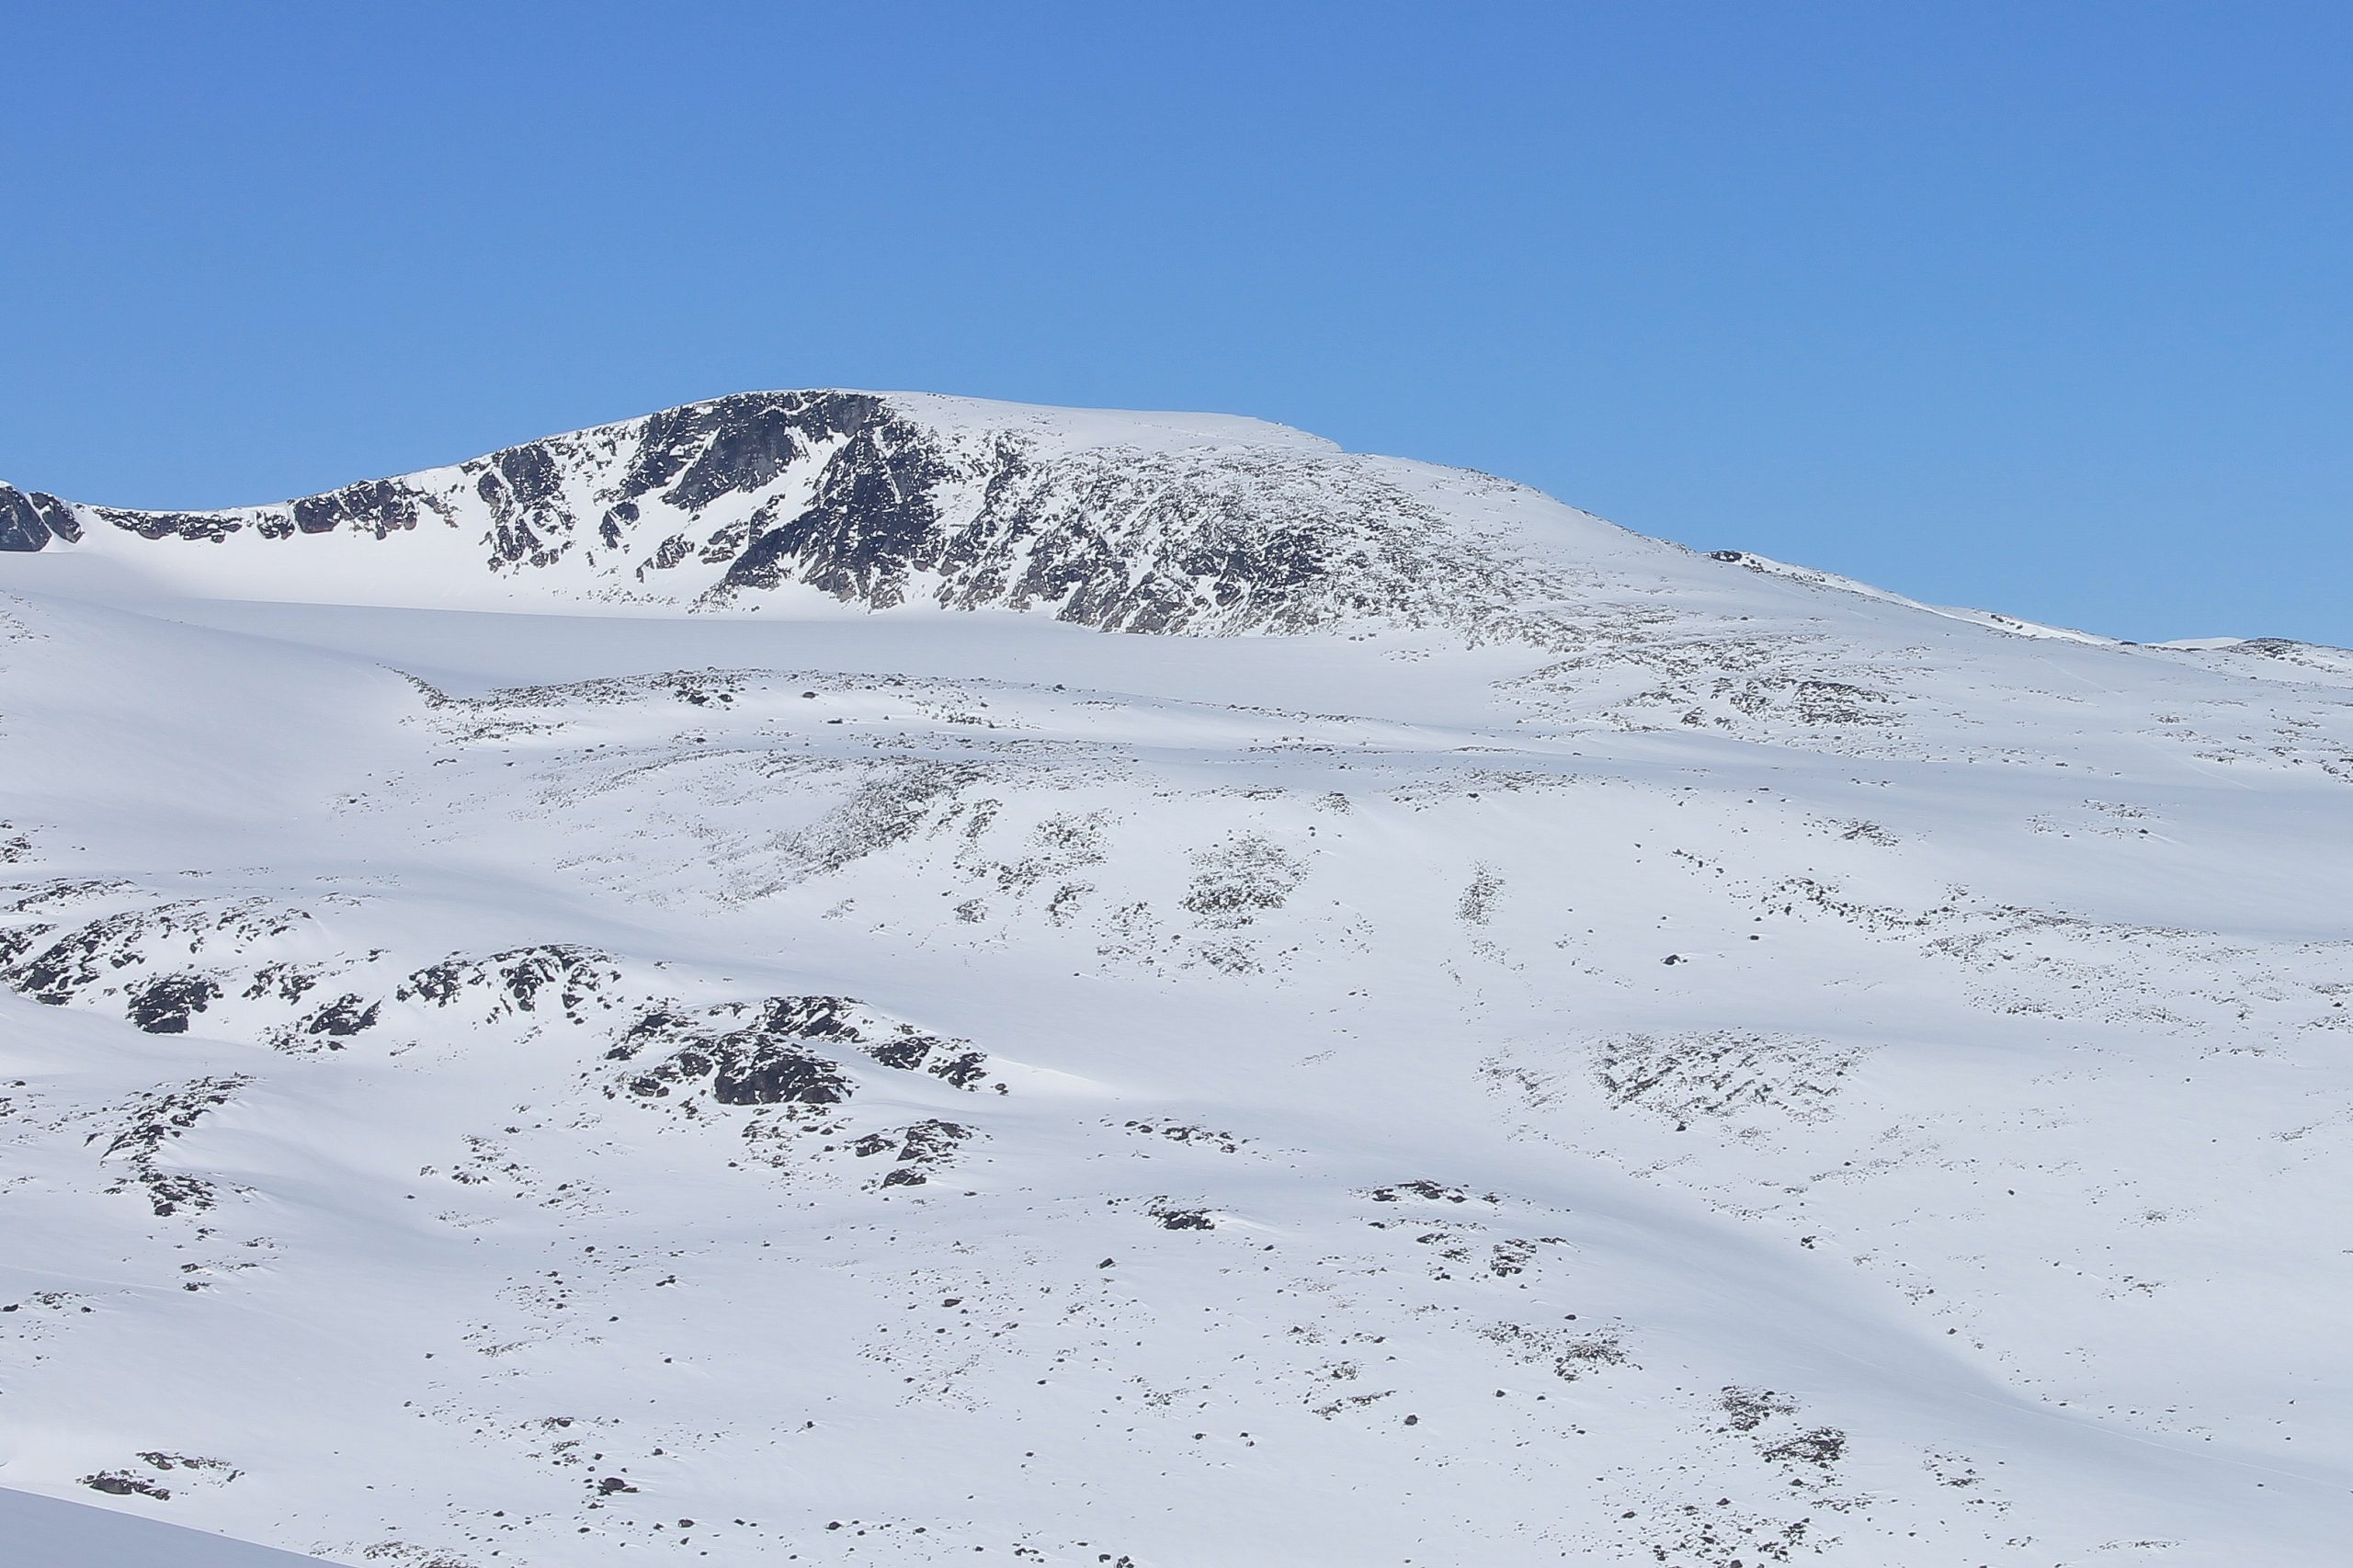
column 863, row 498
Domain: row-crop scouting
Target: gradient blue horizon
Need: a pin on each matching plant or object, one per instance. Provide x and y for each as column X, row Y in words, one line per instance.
column 2037, row 307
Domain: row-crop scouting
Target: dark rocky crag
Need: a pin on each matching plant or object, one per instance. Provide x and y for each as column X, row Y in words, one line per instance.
column 29, row 519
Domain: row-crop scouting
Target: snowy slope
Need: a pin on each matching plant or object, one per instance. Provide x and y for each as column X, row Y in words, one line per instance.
column 46, row 1532
column 1502, row 1042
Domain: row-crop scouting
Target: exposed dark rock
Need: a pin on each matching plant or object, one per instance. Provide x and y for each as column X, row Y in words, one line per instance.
column 1224, row 1142
column 922, row 1148
column 771, row 1076
column 1747, row 1409
column 531, row 474
column 155, row 1118
column 60, row 516
column 29, row 519
column 173, row 525
column 1821, row 1447
column 746, row 1053
column 860, row 532
column 1427, row 1191
column 549, row 978
column 1568, row 1352
column 123, row 1484
column 223, row 1467
column 346, row 1016
column 931, row 1142
column 21, row 527
column 733, row 445
column 284, row 982
column 165, row 1005
column 378, row 506
column 14, row 945
column 910, row 1049
column 90, row 961
column 675, row 550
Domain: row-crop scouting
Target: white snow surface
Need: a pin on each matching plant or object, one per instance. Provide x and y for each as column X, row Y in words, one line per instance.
column 48, row 1532
column 1511, row 1043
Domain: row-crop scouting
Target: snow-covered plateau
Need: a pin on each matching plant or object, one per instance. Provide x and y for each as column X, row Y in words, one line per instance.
column 841, row 978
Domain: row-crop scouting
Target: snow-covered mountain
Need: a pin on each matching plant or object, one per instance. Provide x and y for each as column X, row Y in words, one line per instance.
column 1130, row 523
column 852, row 978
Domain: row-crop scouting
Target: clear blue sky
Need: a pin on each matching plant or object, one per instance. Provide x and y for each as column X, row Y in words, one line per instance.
column 2042, row 307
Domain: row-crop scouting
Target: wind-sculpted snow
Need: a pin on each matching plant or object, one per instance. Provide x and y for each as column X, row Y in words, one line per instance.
column 1594, row 1053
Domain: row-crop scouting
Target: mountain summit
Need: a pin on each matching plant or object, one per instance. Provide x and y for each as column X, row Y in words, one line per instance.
column 854, row 977
column 1121, row 522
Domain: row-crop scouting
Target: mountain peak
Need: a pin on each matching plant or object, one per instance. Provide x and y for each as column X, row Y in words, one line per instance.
column 1132, row 522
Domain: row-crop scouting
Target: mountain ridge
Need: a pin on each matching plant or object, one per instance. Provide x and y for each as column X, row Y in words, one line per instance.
column 855, row 494
column 1127, row 522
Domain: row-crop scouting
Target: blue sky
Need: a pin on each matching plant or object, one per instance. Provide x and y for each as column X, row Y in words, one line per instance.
column 2041, row 307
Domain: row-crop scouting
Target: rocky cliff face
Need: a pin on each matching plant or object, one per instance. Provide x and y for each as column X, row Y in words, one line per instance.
column 31, row 521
